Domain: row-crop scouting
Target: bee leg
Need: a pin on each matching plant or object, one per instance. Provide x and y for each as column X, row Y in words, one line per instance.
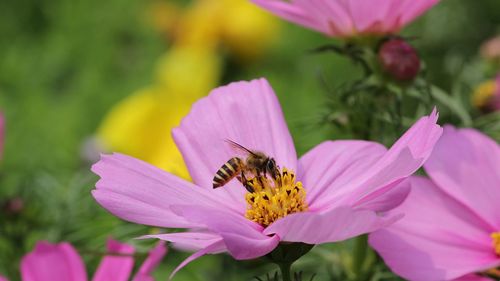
column 278, row 176
column 260, row 178
column 244, row 181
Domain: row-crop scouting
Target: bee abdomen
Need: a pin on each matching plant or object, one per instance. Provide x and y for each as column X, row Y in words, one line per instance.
column 227, row 172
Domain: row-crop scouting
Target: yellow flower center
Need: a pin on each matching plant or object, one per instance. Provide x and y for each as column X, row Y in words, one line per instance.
column 274, row 198
column 496, row 241
column 494, row 272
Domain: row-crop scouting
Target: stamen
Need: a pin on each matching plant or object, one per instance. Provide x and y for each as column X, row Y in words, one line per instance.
column 494, row 272
column 496, row 242
column 274, row 198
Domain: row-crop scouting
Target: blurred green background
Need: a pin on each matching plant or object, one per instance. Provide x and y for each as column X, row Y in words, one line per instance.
column 64, row 64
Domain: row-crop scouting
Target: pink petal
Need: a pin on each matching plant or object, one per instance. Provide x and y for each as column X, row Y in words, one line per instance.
column 392, row 20
column 188, row 241
column 404, row 158
column 438, row 239
column 353, row 172
column 332, row 226
column 472, row 277
column 139, row 192
column 118, row 264
column 414, row 9
column 245, row 112
column 202, row 242
column 216, row 247
column 38, row 265
column 152, row 261
column 387, row 198
column 349, row 18
column 330, row 167
column 290, row 13
column 3, row 278
column 333, row 16
column 366, row 16
column 243, row 238
column 466, row 165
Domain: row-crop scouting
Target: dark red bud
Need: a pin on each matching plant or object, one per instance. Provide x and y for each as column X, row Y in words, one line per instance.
column 14, row 206
column 399, row 59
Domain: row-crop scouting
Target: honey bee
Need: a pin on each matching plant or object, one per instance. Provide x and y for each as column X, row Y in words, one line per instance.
column 256, row 163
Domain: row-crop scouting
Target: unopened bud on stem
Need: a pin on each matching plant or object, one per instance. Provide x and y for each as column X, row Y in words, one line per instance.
column 399, row 59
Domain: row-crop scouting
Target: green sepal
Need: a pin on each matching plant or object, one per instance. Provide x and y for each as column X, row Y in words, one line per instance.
column 287, row 253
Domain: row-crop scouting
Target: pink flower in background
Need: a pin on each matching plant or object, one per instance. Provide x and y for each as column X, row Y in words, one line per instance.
column 61, row 262
column 490, row 49
column 349, row 18
column 338, row 190
column 494, row 102
column 451, row 228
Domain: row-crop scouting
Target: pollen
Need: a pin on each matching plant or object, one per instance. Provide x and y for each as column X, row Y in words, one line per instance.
column 274, row 198
column 496, row 241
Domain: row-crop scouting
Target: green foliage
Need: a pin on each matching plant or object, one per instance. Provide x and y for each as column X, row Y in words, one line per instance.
column 65, row 63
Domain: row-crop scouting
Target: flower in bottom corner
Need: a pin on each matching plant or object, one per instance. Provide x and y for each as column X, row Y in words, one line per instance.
column 451, row 228
column 338, row 190
column 61, row 262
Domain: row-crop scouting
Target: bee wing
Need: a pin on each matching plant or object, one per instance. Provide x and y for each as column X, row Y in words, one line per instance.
column 238, row 147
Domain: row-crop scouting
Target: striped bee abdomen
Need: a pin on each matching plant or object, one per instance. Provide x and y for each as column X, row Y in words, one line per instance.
column 227, row 172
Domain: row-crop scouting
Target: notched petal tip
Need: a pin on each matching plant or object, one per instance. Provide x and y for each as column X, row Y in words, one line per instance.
column 104, row 158
column 212, row 248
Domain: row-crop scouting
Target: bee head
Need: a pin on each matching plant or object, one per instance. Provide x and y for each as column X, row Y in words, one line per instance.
column 272, row 168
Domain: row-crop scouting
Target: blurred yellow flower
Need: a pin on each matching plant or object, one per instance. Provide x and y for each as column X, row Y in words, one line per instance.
column 483, row 93
column 188, row 72
column 140, row 125
column 486, row 97
column 244, row 29
column 162, row 15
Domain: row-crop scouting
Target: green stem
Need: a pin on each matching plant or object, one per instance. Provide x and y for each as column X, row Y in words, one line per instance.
column 285, row 271
column 399, row 112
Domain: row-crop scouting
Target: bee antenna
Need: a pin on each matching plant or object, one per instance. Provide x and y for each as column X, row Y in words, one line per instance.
column 239, row 146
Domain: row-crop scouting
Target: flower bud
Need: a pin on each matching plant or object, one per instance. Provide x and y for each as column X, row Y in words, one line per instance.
column 13, row 206
column 490, row 50
column 399, row 59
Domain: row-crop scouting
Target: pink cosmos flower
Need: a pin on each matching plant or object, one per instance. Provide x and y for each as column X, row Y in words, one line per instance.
column 451, row 228
column 61, row 262
column 338, row 190
column 349, row 18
